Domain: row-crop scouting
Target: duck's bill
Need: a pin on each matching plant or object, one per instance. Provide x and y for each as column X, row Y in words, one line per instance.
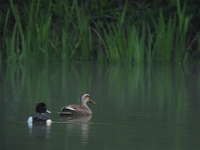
column 92, row 101
column 48, row 111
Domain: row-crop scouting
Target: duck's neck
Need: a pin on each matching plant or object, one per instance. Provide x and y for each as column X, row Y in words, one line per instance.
column 87, row 107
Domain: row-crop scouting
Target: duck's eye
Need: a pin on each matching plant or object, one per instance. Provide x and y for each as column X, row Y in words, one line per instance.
column 87, row 96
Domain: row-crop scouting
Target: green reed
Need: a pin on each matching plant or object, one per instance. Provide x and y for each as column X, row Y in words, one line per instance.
column 163, row 39
column 124, row 44
column 182, row 31
column 170, row 36
column 71, row 31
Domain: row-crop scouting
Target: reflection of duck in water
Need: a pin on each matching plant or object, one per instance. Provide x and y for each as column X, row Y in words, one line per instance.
column 39, row 130
column 41, row 117
column 78, row 123
column 76, row 119
column 78, row 110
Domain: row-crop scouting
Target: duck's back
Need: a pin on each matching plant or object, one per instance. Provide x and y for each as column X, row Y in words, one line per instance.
column 39, row 117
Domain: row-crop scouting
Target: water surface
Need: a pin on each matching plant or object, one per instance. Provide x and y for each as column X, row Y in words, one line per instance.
column 138, row 107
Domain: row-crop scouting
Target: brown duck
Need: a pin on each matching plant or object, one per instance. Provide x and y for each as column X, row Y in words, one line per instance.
column 78, row 110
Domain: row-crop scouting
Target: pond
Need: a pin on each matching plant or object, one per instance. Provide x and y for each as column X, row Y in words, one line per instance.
column 154, row 107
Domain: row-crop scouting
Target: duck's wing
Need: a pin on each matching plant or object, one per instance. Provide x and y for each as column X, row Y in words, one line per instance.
column 71, row 109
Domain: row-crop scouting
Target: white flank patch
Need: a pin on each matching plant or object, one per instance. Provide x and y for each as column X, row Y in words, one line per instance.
column 70, row 108
column 49, row 122
column 30, row 122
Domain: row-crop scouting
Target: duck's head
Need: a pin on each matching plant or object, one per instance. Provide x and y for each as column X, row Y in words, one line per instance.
column 41, row 108
column 86, row 98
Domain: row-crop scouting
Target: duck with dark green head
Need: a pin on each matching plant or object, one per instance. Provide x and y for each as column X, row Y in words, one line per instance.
column 41, row 115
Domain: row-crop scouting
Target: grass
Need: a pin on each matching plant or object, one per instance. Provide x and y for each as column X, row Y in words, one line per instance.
column 71, row 31
column 163, row 39
column 125, row 45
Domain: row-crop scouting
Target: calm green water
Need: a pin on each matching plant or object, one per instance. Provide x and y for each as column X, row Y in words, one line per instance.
column 138, row 107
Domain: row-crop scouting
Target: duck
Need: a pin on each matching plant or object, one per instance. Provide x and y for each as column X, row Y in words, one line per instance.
column 41, row 116
column 81, row 109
